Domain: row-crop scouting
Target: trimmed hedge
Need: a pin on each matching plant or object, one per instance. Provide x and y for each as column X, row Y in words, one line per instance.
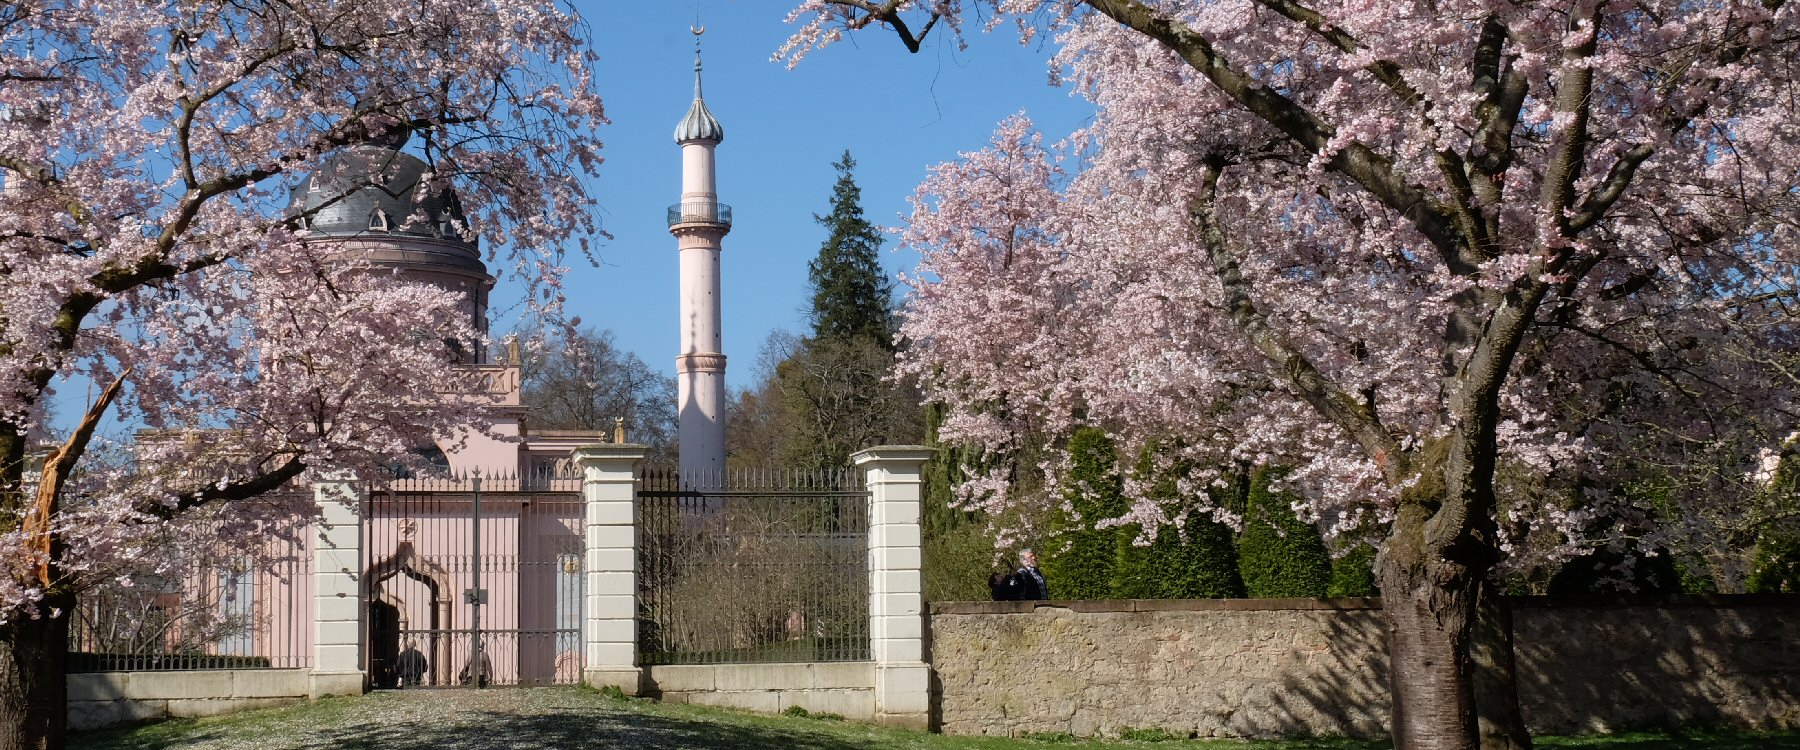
column 1777, row 566
column 1078, row 560
column 1198, row 561
column 1353, row 574
column 80, row 661
column 1280, row 556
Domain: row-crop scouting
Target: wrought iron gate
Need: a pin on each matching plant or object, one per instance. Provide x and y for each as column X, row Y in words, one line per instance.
column 473, row 580
column 755, row 567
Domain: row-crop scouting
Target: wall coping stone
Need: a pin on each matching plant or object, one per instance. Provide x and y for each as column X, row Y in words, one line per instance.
column 1098, row 606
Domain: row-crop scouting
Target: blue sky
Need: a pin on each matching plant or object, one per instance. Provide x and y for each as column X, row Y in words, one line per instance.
column 897, row 112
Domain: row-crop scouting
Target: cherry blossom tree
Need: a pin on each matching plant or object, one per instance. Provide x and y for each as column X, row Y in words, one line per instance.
column 1465, row 266
column 146, row 150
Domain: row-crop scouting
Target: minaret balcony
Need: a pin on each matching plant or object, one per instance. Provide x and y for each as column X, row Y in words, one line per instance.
column 700, row 212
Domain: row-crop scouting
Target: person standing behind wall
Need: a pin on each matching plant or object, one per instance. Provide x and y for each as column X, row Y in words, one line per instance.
column 1029, row 583
column 1003, row 584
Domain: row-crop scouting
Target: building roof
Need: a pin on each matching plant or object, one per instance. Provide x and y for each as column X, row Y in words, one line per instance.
column 374, row 189
column 699, row 125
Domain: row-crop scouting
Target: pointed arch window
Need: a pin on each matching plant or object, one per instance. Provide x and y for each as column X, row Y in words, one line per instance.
column 378, row 220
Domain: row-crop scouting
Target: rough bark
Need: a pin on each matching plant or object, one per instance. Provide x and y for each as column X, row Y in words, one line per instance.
column 33, row 691
column 1428, row 602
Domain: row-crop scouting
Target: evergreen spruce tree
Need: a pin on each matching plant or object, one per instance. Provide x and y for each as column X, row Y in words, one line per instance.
column 834, row 384
column 1280, row 556
column 851, row 297
column 1198, row 561
column 1078, row 558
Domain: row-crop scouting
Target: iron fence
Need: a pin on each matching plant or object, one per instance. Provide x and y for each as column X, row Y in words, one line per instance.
column 748, row 567
column 200, row 600
column 473, row 579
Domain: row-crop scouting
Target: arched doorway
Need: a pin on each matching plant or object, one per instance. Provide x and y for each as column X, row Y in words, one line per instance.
column 384, row 645
column 390, row 661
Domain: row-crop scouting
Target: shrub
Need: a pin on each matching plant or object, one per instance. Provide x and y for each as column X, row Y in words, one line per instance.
column 1777, row 566
column 1197, row 561
column 1279, row 555
column 1599, row 572
column 1078, row 561
column 1149, row 734
column 1353, row 573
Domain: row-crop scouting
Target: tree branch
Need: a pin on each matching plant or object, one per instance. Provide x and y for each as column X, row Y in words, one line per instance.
column 1374, row 172
column 40, row 535
column 1341, row 407
column 242, row 489
column 888, row 13
column 1573, row 93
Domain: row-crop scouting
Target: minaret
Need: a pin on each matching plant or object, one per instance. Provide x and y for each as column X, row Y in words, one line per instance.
column 700, row 223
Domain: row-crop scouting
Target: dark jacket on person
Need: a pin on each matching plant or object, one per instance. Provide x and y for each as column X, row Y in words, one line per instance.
column 1003, row 586
column 1030, row 584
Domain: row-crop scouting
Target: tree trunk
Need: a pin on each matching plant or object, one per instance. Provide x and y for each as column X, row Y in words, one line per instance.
column 1496, row 685
column 34, row 703
column 1429, row 605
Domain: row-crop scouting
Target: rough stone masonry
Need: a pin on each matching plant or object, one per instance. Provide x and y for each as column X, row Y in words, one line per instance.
column 1272, row 668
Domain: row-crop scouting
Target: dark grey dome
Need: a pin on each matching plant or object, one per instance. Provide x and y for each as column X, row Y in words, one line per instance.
column 369, row 191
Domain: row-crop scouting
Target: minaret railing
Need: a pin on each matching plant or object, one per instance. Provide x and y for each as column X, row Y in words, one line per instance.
column 700, row 212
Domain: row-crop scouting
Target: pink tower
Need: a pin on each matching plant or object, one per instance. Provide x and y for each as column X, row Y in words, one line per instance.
column 700, row 223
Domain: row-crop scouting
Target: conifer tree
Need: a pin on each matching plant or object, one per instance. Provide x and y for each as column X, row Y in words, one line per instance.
column 851, row 297
column 1280, row 556
column 835, row 382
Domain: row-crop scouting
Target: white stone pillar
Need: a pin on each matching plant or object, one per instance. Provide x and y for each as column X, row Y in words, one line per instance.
column 893, row 474
column 609, row 625
column 338, row 625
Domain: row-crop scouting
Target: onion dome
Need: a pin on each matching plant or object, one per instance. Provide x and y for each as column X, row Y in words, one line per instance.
column 699, row 125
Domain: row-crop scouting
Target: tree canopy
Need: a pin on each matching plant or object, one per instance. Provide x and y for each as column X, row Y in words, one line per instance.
column 1454, row 264
column 147, row 151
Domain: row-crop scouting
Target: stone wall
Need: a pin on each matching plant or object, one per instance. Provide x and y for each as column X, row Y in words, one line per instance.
column 843, row 688
column 104, row 699
column 1270, row 668
column 1731, row 660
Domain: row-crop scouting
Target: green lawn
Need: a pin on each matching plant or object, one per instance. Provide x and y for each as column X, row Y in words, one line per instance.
column 572, row 718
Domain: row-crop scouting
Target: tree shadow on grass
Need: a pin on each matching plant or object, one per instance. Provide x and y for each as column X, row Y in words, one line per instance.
column 571, row 727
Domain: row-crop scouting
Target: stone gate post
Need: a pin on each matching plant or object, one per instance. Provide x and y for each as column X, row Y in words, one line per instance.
column 609, row 624
column 338, row 626
column 893, row 474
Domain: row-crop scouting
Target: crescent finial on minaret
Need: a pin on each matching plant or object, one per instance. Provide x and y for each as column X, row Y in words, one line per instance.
column 699, row 125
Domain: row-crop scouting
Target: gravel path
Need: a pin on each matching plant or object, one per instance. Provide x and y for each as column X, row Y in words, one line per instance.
column 498, row 719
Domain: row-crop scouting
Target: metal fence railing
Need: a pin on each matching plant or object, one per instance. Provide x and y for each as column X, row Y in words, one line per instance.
column 753, row 567
column 700, row 212
column 200, row 601
column 475, row 579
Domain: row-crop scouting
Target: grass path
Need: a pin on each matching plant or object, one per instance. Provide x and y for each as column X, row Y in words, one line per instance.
column 578, row 719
